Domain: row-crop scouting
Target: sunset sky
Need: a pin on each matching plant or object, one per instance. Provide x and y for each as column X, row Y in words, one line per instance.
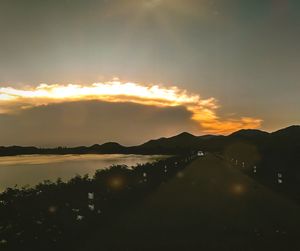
column 78, row 72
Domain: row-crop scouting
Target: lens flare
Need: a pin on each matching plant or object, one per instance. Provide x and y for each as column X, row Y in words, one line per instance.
column 116, row 183
column 238, row 189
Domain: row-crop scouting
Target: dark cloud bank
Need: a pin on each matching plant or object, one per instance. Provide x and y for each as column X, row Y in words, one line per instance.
column 89, row 122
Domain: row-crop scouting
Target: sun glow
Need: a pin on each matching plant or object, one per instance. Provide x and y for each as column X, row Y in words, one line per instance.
column 203, row 111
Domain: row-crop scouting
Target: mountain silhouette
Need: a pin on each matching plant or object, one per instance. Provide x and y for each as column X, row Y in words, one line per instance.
column 288, row 135
column 181, row 142
column 291, row 130
column 109, row 147
column 248, row 133
column 287, row 140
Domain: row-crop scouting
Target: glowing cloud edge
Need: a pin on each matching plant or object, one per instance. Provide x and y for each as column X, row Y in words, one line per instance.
column 204, row 111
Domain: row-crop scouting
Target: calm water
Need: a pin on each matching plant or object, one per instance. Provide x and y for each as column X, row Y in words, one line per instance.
column 32, row 169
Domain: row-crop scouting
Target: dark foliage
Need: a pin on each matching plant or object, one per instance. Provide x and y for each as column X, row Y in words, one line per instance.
column 58, row 215
column 273, row 159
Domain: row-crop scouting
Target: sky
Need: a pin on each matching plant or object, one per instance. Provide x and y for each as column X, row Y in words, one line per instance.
column 78, row 72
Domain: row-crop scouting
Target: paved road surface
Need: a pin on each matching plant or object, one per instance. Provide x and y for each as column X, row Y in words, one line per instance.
column 209, row 206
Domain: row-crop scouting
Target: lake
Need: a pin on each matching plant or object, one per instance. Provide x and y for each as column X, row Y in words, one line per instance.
column 31, row 169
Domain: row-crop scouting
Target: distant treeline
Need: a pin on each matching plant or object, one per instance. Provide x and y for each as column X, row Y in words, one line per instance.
column 58, row 215
column 107, row 148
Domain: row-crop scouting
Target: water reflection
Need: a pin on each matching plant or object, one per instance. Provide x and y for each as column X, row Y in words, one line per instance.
column 31, row 169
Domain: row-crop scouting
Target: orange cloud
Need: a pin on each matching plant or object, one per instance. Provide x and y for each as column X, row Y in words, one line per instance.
column 204, row 111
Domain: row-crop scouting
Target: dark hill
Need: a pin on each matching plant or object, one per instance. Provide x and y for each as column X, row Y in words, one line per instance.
column 248, row 133
column 289, row 134
column 208, row 136
column 294, row 129
column 181, row 140
column 287, row 139
column 180, row 143
column 109, row 147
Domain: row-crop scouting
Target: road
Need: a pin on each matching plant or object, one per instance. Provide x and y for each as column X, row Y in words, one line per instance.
column 209, row 206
